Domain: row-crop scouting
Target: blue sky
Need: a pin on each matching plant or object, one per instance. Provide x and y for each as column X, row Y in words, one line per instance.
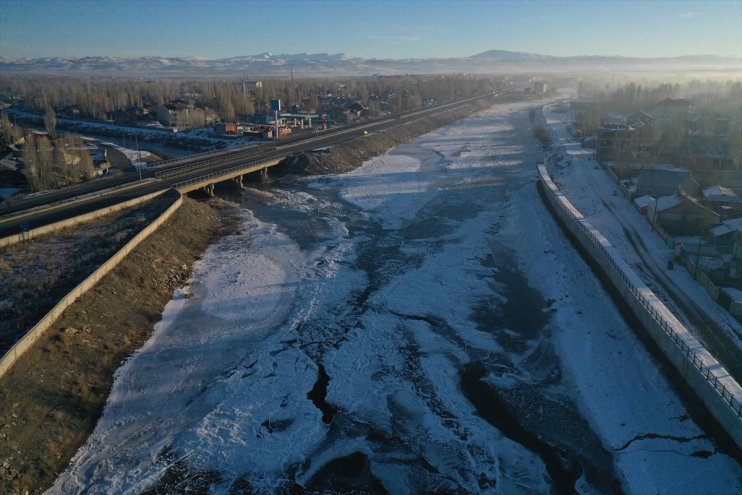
column 379, row 29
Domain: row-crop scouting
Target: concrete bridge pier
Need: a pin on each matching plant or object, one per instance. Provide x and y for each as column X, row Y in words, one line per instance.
column 209, row 188
column 238, row 181
column 264, row 174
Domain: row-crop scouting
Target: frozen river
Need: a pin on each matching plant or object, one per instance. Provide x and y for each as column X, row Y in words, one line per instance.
column 420, row 325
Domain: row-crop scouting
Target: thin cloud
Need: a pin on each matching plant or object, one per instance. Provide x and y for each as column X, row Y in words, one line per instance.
column 688, row 15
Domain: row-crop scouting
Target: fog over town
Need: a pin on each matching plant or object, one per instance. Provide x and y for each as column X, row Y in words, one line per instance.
column 370, row 247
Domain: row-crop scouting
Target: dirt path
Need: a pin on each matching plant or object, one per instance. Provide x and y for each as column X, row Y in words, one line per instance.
column 51, row 399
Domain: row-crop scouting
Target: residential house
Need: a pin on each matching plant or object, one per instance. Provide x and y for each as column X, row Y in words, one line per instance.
column 664, row 180
column 731, row 179
column 616, row 142
column 208, row 115
column 680, row 214
column 174, row 115
column 723, row 200
column 721, row 195
column 727, row 236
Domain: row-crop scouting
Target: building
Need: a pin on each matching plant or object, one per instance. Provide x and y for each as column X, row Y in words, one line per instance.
column 664, row 180
column 261, row 131
column 229, row 129
column 721, row 195
column 174, row 115
column 616, row 142
column 539, row 87
column 207, row 115
column 727, row 238
column 681, row 215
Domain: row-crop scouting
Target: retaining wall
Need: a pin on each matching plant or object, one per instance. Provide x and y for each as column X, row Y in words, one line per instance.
column 48, row 320
column 711, row 382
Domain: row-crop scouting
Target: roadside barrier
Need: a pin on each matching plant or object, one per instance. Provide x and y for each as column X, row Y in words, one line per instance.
column 27, row 341
column 713, row 384
column 86, row 217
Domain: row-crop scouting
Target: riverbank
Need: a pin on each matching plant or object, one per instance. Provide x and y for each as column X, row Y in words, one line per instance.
column 58, row 390
column 51, row 400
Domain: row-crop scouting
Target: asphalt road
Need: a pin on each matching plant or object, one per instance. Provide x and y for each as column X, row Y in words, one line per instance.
column 65, row 203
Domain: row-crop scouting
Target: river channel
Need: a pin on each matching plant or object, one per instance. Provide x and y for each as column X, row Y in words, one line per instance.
column 419, row 325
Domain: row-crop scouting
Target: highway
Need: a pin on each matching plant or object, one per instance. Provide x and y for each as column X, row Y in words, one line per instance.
column 53, row 206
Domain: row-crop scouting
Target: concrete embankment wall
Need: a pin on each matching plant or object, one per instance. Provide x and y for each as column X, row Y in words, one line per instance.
column 63, row 224
column 711, row 382
column 48, row 320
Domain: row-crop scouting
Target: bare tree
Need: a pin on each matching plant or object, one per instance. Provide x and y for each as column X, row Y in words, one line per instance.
column 50, row 121
column 8, row 130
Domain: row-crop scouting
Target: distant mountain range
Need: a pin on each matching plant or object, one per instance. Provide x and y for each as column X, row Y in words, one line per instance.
column 324, row 64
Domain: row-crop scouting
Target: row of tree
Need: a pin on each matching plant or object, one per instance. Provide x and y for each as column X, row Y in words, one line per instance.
column 709, row 103
column 233, row 99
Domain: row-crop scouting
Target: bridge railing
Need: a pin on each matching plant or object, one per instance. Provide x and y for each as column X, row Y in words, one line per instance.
column 228, row 171
column 164, row 174
column 205, row 154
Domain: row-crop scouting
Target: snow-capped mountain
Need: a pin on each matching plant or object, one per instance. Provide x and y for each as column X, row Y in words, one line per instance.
column 319, row 64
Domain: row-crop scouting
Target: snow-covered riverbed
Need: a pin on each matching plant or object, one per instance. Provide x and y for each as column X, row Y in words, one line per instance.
column 419, row 325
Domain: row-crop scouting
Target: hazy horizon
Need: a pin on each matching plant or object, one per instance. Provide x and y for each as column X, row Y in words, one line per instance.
column 375, row 30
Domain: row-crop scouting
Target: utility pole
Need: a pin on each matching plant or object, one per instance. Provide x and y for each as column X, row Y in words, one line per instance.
column 654, row 216
column 140, row 157
column 276, row 106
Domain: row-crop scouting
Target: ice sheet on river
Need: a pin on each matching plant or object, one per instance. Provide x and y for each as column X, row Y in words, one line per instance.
column 348, row 361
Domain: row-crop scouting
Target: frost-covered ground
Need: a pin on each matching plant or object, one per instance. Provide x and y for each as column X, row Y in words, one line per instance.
column 419, row 325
